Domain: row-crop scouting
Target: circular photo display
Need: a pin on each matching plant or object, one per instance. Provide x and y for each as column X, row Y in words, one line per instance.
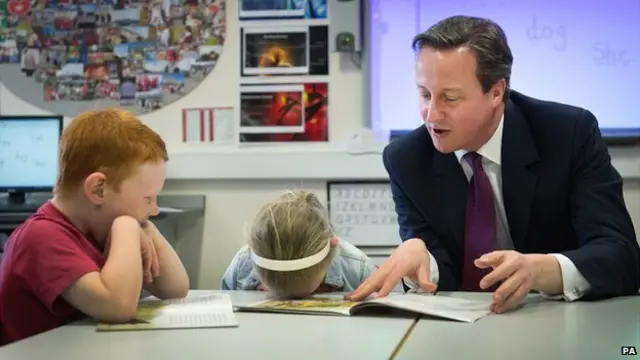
column 68, row 56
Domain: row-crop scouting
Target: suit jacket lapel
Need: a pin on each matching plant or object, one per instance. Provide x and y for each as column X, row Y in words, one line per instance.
column 452, row 187
column 518, row 180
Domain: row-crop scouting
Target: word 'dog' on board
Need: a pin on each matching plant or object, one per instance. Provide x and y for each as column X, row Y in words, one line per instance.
column 363, row 213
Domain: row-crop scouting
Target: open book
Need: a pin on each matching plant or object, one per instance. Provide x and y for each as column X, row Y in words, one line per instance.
column 425, row 304
column 203, row 311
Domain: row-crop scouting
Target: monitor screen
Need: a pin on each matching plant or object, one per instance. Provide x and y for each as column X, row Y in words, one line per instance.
column 565, row 51
column 29, row 152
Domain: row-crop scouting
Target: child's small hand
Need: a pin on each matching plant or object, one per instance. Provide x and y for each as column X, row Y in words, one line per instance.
column 151, row 266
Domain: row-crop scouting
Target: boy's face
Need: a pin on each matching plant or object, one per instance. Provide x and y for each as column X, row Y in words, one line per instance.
column 137, row 197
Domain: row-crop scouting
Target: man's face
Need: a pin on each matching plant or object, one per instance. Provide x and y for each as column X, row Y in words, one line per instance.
column 455, row 110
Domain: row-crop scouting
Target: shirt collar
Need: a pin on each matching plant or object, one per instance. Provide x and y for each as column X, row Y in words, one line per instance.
column 491, row 149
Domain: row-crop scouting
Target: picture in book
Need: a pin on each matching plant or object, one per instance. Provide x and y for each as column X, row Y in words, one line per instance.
column 308, row 304
column 68, row 56
column 283, row 113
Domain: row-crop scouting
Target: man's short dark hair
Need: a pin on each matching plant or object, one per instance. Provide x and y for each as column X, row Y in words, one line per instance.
column 482, row 36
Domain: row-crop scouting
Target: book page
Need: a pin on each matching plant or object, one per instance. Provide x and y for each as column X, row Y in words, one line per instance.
column 206, row 311
column 314, row 305
column 173, row 320
column 189, row 302
column 441, row 306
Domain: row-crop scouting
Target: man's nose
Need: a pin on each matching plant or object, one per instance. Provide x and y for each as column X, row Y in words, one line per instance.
column 434, row 114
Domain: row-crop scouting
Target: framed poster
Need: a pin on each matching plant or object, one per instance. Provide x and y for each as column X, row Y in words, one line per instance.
column 284, row 50
column 282, row 9
column 278, row 113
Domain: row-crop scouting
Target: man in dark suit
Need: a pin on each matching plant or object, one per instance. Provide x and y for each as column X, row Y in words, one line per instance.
column 499, row 191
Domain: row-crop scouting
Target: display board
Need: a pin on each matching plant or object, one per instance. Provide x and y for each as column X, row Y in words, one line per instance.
column 363, row 213
column 68, row 56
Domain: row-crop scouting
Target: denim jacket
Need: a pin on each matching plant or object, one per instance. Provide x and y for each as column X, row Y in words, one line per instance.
column 349, row 268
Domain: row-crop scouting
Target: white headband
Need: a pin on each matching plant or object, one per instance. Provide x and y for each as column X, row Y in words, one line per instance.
column 291, row 265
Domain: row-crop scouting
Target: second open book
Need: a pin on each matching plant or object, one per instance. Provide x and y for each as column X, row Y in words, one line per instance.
column 424, row 304
column 203, row 311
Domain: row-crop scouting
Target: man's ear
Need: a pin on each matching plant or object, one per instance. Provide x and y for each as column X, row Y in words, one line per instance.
column 94, row 187
column 497, row 91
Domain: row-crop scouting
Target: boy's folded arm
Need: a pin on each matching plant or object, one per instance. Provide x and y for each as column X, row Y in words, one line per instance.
column 91, row 296
column 112, row 294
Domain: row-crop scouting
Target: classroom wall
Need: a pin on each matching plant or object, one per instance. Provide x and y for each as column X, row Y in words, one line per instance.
column 231, row 203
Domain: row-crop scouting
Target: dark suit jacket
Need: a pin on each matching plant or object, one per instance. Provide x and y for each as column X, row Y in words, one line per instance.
column 561, row 195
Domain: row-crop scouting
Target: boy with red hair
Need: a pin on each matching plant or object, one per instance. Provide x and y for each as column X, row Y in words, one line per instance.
column 90, row 249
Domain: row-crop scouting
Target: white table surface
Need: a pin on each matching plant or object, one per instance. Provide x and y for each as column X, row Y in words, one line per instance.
column 540, row 330
column 259, row 336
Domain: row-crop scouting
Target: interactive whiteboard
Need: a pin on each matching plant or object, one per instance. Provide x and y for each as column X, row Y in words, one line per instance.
column 571, row 51
column 363, row 213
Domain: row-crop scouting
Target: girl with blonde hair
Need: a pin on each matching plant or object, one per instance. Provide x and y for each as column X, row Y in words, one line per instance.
column 293, row 252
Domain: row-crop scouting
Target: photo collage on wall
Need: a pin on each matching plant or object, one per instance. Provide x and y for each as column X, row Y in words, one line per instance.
column 67, row 56
column 293, row 46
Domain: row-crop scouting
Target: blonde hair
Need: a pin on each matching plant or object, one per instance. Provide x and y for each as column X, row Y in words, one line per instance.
column 294, row 226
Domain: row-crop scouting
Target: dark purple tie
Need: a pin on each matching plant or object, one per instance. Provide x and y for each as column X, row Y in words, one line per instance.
column 480, row 223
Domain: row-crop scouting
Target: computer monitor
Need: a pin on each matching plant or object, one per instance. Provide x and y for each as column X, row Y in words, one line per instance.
column 28, row 154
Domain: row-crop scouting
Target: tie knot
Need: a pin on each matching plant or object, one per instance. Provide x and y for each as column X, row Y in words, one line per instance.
column 474, row 159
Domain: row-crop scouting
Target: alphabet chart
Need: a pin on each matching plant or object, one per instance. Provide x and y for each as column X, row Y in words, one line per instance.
column 363, row 213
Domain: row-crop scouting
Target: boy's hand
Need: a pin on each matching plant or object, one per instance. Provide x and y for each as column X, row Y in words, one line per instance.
column 150, row 264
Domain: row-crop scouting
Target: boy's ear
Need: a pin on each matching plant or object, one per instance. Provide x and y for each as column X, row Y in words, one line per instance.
column 334, row 241
column 94, row 187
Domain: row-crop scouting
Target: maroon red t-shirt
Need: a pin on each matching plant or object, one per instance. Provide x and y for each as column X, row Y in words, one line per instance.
column 43, row 257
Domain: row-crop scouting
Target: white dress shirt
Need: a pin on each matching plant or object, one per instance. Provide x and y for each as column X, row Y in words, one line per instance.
column 574, row 284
